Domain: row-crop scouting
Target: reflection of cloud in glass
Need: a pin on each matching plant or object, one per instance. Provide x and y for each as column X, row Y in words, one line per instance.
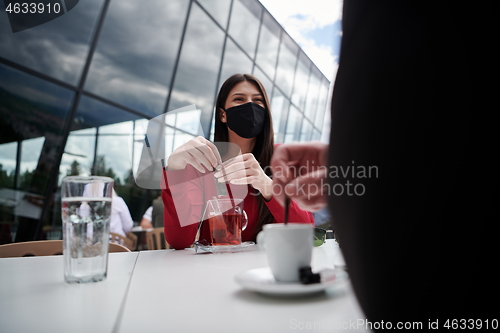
column 159, row 142
column 8, row 152
column 269, row 41
column 135, row 55
column 80, row 148
column 196, row 77
column 301, row 82
column 312, row 94
column 183, row 120
column 57, row 48
column 244, row 25
column 111, row 144
column 219, row 9
column 293, row 125
column 322, row 105
column 286, row 65
column 268, row 84
column 235, row 61
column 34, row 90
column 30, row 153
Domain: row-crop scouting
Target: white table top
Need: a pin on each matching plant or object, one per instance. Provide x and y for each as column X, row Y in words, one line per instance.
column 167, row 291
column 35, row 298
column 179, row 291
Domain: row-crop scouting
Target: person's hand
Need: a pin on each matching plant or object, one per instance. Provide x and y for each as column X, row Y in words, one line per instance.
column 146, row 224
column 245, row 169
column 299, row 172
column 202, row 154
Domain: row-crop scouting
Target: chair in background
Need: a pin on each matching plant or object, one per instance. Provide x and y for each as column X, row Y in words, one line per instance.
column 31, row 249
column 50, row 232
column 43, row 248
column 129, row 243
column 113, row 247
column 156, row 239
column 5, row 233
column 133, row 240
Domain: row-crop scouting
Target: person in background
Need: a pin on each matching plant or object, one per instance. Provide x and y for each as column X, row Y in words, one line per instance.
column 121, row 220
column 242, row 119
column 417, row 246
column 153, row 217
column 147, row 218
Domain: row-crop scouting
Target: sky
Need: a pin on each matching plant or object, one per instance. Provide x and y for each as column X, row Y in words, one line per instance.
column 316, row 26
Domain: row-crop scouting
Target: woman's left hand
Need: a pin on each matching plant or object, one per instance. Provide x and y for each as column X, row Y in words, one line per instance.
column 245, row 169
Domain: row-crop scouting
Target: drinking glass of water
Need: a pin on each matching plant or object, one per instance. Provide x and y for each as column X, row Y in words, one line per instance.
column 86, row 211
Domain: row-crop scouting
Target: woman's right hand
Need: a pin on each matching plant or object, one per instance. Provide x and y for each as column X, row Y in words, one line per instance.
column 202, row 154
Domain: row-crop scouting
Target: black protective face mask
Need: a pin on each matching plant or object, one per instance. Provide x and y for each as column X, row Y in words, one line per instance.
column 246, row 120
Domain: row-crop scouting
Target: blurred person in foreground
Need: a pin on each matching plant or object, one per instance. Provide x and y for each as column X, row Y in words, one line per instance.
column 415, row 246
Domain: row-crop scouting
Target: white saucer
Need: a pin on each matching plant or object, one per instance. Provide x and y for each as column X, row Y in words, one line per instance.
column 200, row 248
column 262, row 280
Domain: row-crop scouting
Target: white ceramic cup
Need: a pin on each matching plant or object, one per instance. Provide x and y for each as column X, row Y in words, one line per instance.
column 288, row 248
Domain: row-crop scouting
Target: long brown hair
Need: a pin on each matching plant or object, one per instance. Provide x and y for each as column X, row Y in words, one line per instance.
column 264, row 144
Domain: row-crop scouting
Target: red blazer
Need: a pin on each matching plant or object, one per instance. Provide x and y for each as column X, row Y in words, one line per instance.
column 191, row 190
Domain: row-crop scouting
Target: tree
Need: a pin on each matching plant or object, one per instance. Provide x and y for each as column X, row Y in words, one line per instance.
column 101, row 170
column 74, row 169
column 6, row 180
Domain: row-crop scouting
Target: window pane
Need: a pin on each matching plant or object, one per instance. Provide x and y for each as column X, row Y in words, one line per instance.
column 305, row 131
column 293, row 125
column 286, row 64
column 279, row 109
column 58, row 48
column 110, row 130
column 33, row 109
column 316, row 135
column 30, row 155
column 93, row 113
column 322, row 102
column 181, row 138
column 78, row 154
column 135, row 56
column 184, row 120
column 32, row 116
column 244, row 24
column 219, row 9
column 112, row 158
column 268, row 84
column 196, row 78
column 235, row 61
column 8, row 161
column 312, row 94
column 301, row 81
column 269, row 43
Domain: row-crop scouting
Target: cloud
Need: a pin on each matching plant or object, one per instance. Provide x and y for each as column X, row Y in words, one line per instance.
column 299, row 17
column 315, row 13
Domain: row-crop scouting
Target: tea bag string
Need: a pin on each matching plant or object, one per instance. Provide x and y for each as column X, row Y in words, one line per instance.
column 228, row 188
column 233, row 205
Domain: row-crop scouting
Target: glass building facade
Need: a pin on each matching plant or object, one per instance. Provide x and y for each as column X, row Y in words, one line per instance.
column 77, row 92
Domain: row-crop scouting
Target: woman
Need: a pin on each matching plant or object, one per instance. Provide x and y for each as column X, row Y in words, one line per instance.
column 121, row 221
column 242, row 119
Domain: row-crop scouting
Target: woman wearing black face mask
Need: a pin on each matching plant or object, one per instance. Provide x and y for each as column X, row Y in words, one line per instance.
column 243, row 118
